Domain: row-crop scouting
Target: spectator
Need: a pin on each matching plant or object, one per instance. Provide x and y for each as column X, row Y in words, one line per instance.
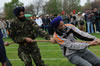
column 3, row 29
column 39, row 21
column 80, row 21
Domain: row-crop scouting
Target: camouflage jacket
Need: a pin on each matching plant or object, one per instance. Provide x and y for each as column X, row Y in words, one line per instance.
column 19, row 30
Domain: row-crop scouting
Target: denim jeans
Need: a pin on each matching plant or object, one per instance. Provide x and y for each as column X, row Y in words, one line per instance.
column 85, row 58
column 90, row 27
column 4, row 32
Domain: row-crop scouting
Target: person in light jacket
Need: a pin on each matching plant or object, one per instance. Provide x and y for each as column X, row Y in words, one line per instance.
column 76, row 52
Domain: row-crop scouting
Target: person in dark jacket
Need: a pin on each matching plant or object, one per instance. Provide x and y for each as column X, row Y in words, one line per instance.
column 2, row 51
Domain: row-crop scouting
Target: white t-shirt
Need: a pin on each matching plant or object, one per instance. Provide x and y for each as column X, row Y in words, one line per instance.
column 39, row 21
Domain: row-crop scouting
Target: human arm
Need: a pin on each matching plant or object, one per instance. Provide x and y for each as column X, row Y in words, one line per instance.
column 81, row 35
column 41, row 32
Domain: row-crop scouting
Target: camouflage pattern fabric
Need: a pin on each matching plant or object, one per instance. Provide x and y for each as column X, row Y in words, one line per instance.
column 18, row 31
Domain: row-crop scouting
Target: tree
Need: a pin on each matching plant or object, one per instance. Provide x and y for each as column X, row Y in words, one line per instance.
column 96, row 4
column 69, row 5
column 87, row 5
column 38, row 4
column 91, row 5
column 30, row 9
column 53, row 7
column 9, row 7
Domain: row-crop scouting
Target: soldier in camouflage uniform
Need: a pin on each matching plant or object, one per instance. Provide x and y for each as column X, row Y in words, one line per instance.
column 23, row 31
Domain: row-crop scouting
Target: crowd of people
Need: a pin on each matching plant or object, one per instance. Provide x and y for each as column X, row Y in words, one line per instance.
column 88, row 21
column 23, row 31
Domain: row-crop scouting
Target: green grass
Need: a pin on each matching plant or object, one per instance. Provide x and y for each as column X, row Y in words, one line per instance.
column 47, row 53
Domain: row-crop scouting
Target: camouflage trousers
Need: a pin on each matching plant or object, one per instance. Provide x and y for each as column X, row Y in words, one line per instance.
column 28, row 52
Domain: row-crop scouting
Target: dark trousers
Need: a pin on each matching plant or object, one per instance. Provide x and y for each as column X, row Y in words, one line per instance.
column 8, row 63
column 98, row 25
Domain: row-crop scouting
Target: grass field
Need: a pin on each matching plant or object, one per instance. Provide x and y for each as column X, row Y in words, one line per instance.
column 51, row 53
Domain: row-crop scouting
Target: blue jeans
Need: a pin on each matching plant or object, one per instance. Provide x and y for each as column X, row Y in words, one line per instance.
column 4, row 32
column 85, row 58
column 90, row 27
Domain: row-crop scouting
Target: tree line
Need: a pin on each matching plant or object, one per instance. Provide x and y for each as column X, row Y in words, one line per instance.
column 48, row 7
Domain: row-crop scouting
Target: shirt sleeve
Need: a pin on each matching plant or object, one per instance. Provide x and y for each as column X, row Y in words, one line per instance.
column 81, row 35
column 73, row 45
column 41, row 32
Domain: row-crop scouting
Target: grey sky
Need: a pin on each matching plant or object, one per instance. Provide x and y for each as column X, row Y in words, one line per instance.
column 27, row 2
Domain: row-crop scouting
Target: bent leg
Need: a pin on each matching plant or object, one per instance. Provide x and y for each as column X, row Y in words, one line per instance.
column 92, row 58
column 78, row 61
column 25, row 57
column 35, row 53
